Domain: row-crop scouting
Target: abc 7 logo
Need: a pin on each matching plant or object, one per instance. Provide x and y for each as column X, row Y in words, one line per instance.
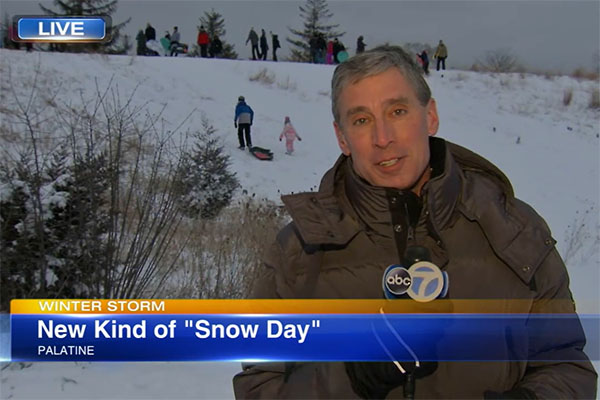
column 423, row 281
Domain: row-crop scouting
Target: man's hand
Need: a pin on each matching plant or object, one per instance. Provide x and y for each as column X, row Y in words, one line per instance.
column 374, row 380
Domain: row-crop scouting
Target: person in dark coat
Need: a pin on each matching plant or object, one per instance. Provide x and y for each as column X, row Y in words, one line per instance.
column 360, row 45
column 424, row 59
column 337, row 47
column 321, row 48
column 253, row 39
column 394, row 188
column 264, row 45
column 216, row 47
column 275, row 45
column 140, row 39
column 150, row 32
column 244, row 116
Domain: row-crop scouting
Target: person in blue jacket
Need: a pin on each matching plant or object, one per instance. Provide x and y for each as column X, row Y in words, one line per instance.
column 242, row 121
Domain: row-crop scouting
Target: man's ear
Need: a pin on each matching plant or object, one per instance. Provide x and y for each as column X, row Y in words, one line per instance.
column 433, row 120
column 341, row 139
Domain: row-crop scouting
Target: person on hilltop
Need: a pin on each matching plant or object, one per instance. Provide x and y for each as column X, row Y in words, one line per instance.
column 337, row 48
column 141, row 43
column 441, row 53
column 290, row 134
column 216, row 47
column 398, row 194
column 253, row 39
column 275, row 44
column 203, row 42
column 175, row 38
column 264, row 45
column 424, row 61
column 150, row 32
column 329, row 57
column 244, row 116
column 360, row 45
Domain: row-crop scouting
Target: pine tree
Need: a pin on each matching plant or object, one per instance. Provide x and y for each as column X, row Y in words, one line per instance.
column 92, row 8
column 214, row 24
column 205, row 181
column 315, row 13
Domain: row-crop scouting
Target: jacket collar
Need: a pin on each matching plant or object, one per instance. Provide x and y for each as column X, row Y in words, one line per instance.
column 325, row 217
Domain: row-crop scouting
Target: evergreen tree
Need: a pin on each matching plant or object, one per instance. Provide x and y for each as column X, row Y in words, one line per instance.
column 315, row 13
column 205, row 182
column 91, row 8
column 214, row 24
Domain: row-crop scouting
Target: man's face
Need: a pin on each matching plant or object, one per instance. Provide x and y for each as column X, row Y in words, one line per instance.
column 386, row 129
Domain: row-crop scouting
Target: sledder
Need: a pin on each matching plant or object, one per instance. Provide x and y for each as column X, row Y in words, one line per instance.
column 290, row 134
column 244, row 116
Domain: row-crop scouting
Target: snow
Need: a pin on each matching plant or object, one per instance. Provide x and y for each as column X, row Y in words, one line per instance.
column 554, row 167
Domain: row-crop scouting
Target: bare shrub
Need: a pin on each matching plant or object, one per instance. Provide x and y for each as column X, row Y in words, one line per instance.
column 582, row 73
column 499, row 60
column 224, row 254
column 263, row 76
column 594, row 99
column 567, row 96
column 288, row 84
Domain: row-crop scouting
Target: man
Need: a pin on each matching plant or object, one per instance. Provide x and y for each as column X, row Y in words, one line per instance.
column 397, row 186
column 253, row 39
column 441, row 53
column 264, row 45
column 244, row 115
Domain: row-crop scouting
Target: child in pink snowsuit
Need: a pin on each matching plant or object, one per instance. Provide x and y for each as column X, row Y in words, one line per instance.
column 290, row 135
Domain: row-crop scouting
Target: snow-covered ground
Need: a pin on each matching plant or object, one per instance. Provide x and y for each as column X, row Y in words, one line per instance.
column 549, row 151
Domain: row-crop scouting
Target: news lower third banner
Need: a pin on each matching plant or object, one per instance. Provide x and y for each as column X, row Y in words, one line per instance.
column 294, row 330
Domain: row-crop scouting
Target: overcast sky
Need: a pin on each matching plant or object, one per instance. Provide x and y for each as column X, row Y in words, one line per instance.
column 548, row 35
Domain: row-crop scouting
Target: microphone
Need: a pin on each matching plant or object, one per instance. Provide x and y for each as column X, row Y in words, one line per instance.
column 423, row 281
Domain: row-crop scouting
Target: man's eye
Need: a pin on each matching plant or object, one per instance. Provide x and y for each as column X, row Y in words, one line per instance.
column 400, row 111
column 360, row 121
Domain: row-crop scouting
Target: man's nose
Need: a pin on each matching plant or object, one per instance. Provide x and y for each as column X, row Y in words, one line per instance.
column 383, row 133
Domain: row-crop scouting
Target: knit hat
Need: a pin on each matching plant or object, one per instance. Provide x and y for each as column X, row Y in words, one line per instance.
column 241, row 98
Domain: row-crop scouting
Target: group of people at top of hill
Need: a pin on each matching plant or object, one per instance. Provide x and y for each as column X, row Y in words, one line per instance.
column 209, row 47
column 325, row 51
column 260, row 45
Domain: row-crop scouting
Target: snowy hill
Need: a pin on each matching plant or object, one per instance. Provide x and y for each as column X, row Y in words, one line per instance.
column 549, row 151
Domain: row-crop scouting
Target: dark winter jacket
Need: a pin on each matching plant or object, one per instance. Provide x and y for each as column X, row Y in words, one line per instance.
column 252, row 37
column 264, row 45
column 216, row 47
column 492, row 245
column 150, row 33
column 243, row 113
column 360, row 45
column 275, row 42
